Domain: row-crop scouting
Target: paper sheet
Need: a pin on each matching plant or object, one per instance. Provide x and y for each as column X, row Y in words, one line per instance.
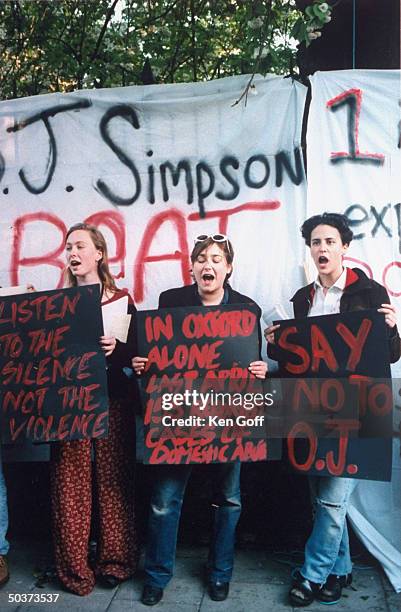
column 116, row 321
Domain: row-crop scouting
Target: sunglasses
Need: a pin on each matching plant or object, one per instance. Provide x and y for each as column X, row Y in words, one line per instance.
column 215, row 238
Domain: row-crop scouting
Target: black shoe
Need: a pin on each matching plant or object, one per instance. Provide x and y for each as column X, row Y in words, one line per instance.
column 218, row 591
column 346, row 580
column 303, row 591
column 151, row 595
column 330, row 592
column 108, row 581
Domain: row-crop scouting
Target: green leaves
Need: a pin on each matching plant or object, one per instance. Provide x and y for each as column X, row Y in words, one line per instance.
column 74, row 44
column 316, row 16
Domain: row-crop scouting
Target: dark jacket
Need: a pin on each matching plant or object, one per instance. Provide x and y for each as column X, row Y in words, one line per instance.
column 189, row 296
column 360, row 293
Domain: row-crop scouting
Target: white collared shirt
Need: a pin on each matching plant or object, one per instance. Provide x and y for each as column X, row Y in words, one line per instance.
column 329, row 303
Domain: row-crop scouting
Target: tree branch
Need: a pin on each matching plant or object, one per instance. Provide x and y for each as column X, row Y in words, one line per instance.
column 163, row 14
column 109, row 15
column 259, row 57
column 193, row 43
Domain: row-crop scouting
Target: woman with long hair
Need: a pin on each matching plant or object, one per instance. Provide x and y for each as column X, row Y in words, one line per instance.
column 110, row 476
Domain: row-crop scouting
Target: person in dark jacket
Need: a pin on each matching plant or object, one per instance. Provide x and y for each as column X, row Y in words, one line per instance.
column 327, row 565
column 211, row 259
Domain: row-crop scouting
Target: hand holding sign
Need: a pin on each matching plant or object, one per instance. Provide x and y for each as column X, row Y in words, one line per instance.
column 279, row 311
column 390, row 314
column 138, row 364
column 108, row 345
column 269, row 333
column 258, row 369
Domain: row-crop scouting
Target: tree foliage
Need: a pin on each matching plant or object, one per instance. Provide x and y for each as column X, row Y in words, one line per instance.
column 62, row 45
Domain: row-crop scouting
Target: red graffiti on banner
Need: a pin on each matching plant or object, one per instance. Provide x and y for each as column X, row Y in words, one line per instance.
column 51, row 258
column 114, row 222
column 352, row 99
column 178, row 220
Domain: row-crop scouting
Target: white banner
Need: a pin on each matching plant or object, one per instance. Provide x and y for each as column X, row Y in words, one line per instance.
column 354, row 166
column 154, row 167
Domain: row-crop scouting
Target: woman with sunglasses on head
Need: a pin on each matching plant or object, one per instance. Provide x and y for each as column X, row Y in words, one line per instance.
column 114, row 456
column 211, row 258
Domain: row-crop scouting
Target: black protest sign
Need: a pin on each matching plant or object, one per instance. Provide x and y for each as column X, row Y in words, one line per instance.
column 53, row 372
column 202, row 405
column 339, row 405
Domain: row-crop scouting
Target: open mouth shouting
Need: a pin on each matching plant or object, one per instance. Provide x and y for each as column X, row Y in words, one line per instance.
column 208, row 278
column 323, row 260
column 74, row 263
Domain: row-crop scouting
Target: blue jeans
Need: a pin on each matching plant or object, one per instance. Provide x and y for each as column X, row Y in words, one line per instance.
column 4, row 545
column 165, row 509
column 327, row 549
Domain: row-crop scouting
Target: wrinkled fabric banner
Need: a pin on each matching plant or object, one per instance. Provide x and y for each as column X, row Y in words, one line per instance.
column 354, row 167
column 154, row 167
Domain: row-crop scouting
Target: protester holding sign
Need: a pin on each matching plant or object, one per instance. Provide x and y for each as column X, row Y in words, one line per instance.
column 114, row 456
column 211, row 258
column 327, row 566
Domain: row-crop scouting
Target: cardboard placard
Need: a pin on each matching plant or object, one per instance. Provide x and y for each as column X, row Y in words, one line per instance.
column 341, row 363
column 53, row 373
column 196, row 356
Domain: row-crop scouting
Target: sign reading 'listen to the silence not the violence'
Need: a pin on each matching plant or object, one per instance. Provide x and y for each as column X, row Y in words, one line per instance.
column 201, row 403
column 52, row 370
column 339, row 402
